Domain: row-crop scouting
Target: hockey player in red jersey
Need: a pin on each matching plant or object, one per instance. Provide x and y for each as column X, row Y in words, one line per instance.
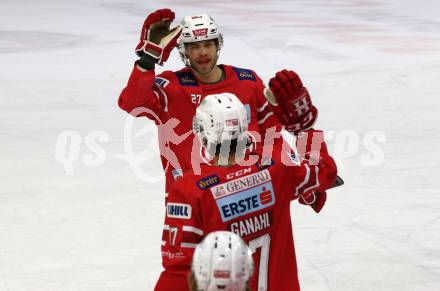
column 252, row 201
column 171, row 98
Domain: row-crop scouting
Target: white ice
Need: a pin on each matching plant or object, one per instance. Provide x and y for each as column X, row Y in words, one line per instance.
column 370, row 65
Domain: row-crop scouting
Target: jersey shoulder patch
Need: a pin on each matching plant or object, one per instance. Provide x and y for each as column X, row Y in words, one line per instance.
column 179, row 210
column 244, row 74
column 186, row 78
column 161, row 82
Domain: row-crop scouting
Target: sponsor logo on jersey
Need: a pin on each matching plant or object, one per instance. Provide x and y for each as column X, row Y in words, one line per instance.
column 241, row 184
column 179, row 210
column 252, row 225
column 207, row 182
column 239, row 173
column 244, row 195
column 200, row 32
column 161, row 82
column 186, row 79
column 177, row 174
column 244, row 74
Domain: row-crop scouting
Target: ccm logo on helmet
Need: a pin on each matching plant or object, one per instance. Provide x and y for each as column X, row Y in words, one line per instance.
column 179, row 210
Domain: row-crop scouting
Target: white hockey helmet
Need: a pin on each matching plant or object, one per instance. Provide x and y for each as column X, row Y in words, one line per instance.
column 219, row 118
column 198, row 28
column 222, row 261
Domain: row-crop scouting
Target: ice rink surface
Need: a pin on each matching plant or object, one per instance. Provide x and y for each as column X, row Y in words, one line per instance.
column 371, row 67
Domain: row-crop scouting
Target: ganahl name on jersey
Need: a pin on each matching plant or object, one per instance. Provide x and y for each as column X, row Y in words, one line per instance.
column 207, row 182
column 244, row 195
column 186, row 79
column 244, row 74
column 252, row 224
column 179, row 210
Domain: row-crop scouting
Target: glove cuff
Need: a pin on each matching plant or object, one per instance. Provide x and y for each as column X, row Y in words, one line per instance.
column 146, row 62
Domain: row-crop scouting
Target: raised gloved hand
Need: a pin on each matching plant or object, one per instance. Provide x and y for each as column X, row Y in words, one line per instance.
column 316, row 200
column 157, row 39
column 292, row 102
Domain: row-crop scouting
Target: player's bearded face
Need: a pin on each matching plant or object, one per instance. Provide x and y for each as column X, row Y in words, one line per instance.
column 202, row 56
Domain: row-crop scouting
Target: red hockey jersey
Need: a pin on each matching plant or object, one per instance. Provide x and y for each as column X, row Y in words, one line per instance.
column 253, row 202
column 171, row 99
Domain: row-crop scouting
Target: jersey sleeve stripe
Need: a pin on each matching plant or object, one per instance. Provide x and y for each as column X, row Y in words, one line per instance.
column 188, row 245
column 310, row 182
column 193, row 229
column 191, row 236
column 261, row 121
column 165, row 98
column 316, row 185
column 304, row 182
column 260, row 109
